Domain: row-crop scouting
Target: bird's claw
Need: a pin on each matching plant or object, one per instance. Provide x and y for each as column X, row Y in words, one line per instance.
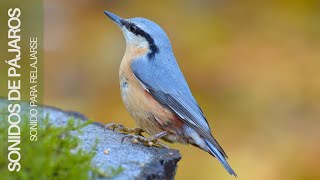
column 122, row 129
column 151, row 141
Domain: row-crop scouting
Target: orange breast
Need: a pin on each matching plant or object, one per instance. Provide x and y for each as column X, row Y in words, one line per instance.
column 148, row 113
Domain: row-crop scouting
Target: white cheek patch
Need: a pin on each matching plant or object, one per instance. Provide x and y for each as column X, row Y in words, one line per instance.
column 135, row 40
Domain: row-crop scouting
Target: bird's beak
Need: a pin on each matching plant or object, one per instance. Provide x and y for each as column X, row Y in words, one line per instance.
column 114, row 18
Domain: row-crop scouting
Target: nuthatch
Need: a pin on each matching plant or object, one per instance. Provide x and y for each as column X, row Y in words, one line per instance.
column 155, row 92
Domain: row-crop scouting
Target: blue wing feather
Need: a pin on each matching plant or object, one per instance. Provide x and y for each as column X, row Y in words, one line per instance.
column 164, row 80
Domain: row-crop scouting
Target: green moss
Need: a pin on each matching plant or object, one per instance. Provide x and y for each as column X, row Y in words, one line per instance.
column 55, row 155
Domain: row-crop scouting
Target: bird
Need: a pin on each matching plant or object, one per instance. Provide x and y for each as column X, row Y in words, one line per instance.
column 156, row 94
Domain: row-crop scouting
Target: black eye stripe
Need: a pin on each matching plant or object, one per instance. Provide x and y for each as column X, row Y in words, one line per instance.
column 137, row 31
column 132, row 27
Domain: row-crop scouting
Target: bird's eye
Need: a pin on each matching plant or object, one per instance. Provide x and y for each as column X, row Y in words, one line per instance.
column 132, row 27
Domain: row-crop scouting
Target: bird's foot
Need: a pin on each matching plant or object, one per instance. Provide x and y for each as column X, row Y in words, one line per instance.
column 120, row 128
column 151, row 141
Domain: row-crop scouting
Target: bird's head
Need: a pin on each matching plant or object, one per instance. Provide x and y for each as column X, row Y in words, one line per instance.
column 142, row 33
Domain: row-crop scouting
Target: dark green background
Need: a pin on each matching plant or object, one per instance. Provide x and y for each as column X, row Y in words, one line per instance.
column 31, row 26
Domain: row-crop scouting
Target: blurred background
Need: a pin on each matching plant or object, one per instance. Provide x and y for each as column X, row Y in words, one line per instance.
column 253, row 66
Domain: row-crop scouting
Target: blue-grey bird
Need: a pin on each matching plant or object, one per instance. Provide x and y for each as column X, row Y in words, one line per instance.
column 155, row 92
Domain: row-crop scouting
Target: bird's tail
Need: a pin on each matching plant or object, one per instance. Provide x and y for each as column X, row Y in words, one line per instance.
column 215, row 152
